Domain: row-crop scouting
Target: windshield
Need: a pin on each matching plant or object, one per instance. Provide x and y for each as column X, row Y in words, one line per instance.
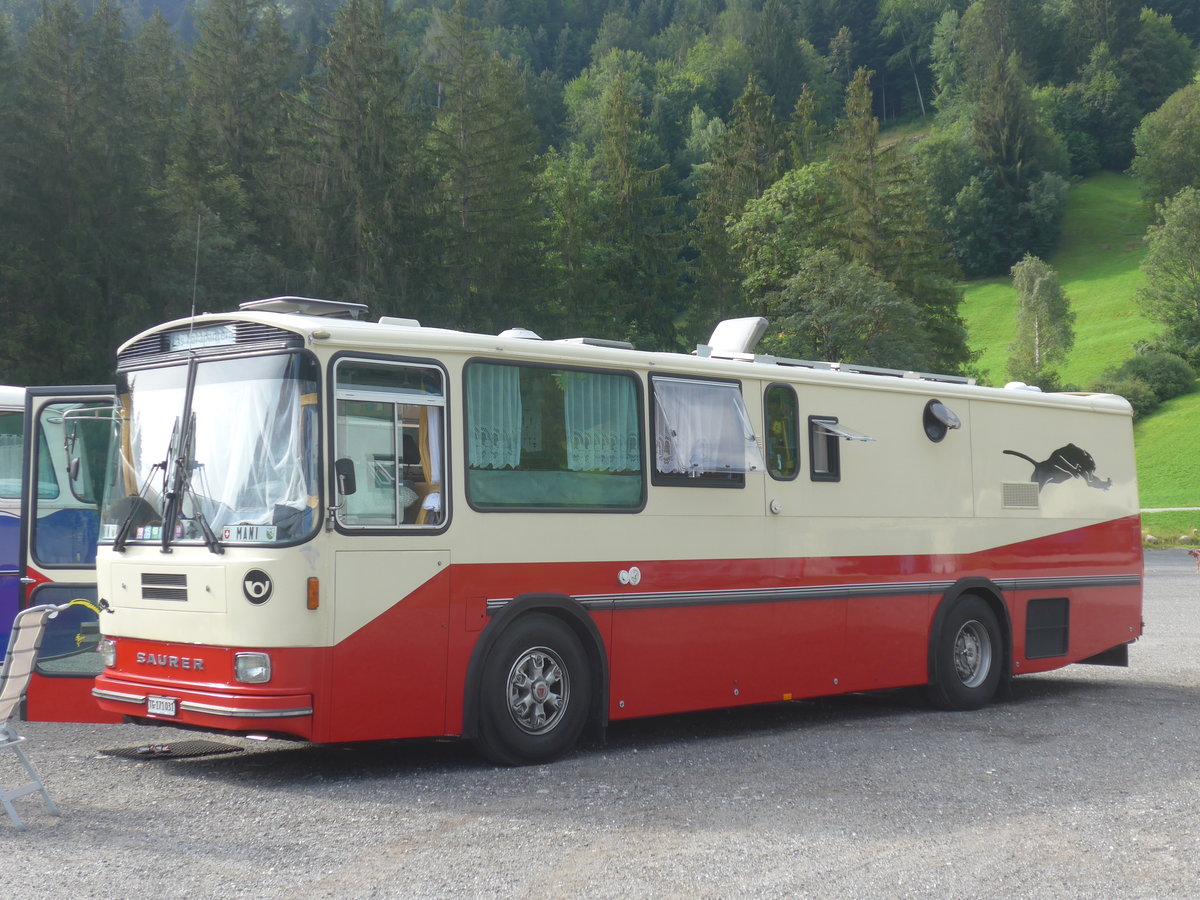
column 236, row 462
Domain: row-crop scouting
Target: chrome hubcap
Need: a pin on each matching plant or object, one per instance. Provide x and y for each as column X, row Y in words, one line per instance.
column 972, row 654
column 538, row 690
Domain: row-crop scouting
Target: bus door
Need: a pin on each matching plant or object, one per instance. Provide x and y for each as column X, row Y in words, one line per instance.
column 65, row 463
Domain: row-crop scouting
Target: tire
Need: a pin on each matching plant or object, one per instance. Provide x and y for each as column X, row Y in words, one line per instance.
column 967, row 658
column 534, row 692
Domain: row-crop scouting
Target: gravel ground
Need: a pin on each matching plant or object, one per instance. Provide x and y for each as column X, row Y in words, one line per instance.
column 1084, row 785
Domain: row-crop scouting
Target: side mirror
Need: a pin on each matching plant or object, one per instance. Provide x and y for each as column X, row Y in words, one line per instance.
column 343, row 470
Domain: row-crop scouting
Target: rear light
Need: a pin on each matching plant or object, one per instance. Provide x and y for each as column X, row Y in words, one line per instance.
column 108, row 652
column 252, row 668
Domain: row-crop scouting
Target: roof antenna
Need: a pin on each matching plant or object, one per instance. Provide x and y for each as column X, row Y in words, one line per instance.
column 196, row 268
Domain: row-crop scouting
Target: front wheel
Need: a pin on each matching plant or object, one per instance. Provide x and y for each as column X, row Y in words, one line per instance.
column 968, row 657
column 534, row 692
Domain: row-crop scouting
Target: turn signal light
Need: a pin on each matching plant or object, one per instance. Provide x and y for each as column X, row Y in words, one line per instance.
column 314, row 593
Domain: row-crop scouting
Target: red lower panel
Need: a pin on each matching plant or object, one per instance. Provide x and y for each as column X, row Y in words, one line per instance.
column 201, row 682
column 818, row 626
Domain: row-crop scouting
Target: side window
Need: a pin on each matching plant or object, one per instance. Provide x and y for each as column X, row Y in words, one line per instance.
column 552, row 438
column 824, row 455
column 391, row 426
column 783, row 432
column 702, row 433
column 825, row 461
column 11, row 435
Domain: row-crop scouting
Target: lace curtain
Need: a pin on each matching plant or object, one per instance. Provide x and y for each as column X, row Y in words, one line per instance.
column 602, row 423
column 702, row 427
column 494, row 404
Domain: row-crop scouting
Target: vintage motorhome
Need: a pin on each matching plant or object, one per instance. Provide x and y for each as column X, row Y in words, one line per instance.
column 335, row 529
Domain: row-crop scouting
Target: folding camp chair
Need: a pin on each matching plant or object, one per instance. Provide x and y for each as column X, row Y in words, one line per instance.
column 23, row 644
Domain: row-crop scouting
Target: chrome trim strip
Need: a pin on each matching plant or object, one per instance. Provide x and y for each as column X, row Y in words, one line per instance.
column 102, row 694
column 209, row 709
column 653, row 600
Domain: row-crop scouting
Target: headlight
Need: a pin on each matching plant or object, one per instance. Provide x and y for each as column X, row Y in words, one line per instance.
column 252, row 668
column 108, row 652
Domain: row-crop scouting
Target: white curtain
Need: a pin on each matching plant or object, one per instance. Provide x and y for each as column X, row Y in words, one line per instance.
column 249, row 451
column 494, row 404
column 602, row 423
column 702, row 427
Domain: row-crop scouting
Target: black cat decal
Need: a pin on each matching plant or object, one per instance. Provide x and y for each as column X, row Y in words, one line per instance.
column 1064, row 464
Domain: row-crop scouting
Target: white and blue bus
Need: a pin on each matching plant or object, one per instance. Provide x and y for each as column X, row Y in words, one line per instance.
column 53, row 460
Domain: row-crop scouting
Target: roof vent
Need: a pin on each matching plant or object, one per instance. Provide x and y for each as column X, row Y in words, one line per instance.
column 396, row 320
column 1022, row 386
column 523, row 334
column 306, row 306
column 737, row 335
column 598, row 342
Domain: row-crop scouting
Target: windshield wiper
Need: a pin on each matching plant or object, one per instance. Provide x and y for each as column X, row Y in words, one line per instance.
column 139, row 506
column 181, row 488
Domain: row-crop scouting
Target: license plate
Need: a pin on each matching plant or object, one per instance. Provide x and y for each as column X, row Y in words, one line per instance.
column 161, row 706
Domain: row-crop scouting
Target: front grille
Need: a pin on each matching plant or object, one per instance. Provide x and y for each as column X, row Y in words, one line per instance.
column 159, row 586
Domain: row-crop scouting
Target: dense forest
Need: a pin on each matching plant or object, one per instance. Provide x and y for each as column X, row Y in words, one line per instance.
column 630, row 169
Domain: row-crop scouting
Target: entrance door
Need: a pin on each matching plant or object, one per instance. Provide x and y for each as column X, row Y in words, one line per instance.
column 65, row 461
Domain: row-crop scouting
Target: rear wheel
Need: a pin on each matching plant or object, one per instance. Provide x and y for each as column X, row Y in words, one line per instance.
column 534, row 692
column 967, row 657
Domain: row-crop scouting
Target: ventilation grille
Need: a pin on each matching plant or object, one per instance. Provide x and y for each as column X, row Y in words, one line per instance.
column 1020, row 495
column 164, row 587
column 245, row 334
column 1047, row 627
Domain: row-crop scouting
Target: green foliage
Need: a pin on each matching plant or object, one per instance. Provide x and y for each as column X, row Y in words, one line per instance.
column 866, row 206
column 1159, row 60
column 1166, row 374
column 595, row 167
column 1171, row 291
column 1140, row 395
column 1148, row 380
column 1168, row 154
column 834, row 310
column 1094, row 116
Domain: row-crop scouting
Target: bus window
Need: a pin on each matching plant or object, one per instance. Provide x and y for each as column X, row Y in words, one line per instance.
column 553, row 438
column 11, row 434
column 702, row 433
column 390, row 426
column 68, row 521
column 783, row 445
column 825, row 462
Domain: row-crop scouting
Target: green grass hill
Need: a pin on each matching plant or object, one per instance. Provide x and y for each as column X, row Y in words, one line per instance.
column 1098, row 263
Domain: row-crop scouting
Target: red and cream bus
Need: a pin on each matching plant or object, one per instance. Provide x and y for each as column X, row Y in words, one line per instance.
column 334, row 529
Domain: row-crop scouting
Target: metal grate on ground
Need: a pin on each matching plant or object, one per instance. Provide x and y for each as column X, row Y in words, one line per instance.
column 173, row 750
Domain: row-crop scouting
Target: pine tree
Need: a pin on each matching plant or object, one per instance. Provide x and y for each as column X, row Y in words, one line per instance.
column 643, row 226
column 359, row 188
column 884, row 225
column 238, row 66
column 484, row 140
column 746, row 159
